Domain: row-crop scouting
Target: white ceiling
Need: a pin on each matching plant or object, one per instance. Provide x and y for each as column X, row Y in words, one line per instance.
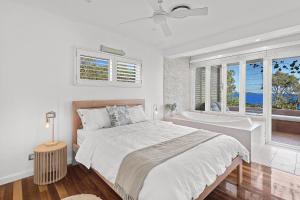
column 227, row 20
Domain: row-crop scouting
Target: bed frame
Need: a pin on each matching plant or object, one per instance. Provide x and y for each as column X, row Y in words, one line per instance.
column 237, row 163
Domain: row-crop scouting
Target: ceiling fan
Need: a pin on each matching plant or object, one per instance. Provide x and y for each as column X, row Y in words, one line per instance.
column 160, row 16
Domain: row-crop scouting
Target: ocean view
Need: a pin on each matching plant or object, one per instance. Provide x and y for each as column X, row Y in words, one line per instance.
column 254, row 98
column 251, row 98
column 257, row 98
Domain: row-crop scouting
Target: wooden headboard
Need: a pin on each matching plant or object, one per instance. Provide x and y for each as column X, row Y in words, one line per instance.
column 97, row 104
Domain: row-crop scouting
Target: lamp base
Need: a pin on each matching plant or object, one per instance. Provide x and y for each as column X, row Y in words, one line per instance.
column 52, row 143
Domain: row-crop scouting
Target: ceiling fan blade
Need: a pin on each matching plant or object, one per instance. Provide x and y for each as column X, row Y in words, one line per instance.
column 166, row 29
column 181, row 13
column 135, row 20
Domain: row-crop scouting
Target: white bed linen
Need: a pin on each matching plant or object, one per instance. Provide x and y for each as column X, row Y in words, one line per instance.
column 181, row 178
column 81, row 135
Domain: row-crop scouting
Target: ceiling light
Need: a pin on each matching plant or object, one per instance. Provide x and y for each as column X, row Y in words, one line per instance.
column 258, row 40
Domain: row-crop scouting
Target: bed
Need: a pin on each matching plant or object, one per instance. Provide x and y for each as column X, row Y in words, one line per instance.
column 182, row 177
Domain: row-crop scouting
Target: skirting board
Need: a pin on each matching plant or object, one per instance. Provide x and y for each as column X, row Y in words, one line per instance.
column 20, row 175
column 16, row 176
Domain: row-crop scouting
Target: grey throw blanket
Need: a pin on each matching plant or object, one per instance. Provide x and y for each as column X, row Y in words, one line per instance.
column 136, row 165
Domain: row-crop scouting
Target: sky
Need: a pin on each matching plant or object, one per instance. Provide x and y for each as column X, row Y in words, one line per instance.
column 101, row 63
column 287, row 61
column 254, row 78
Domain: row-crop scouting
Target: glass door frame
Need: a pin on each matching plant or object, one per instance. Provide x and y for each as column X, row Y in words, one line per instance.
column 286, row 52
column 267, row 56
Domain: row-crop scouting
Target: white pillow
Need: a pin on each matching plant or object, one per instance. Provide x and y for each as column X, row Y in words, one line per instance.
column 137, row 114
column 93, row 119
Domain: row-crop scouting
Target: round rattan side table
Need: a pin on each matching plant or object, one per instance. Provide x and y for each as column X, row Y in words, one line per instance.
column 50, row 163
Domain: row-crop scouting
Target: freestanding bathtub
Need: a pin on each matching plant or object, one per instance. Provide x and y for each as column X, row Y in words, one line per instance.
column 240, row 127
column 222, row 120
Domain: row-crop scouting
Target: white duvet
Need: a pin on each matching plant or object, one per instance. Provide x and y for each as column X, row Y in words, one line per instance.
column 181, row 178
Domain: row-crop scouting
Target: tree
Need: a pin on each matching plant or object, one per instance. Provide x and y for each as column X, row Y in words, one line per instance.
column 231, row 87
column 293, row 67
column 230, row 82
column 284, row 88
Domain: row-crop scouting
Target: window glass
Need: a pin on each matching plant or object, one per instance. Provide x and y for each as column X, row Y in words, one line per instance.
column 101, row 69
column 128, row 72
column 286, row 86
column 93, row 68
column 233, row 87
column 215, row 88
column 254, row 86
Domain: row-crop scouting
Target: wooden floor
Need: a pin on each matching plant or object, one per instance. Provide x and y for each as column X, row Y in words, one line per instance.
column 259, row 182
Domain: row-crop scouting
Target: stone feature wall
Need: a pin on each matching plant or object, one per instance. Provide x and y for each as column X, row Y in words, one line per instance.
column 177, row 83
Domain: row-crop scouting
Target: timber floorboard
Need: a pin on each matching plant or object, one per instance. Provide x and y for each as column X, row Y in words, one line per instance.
column 259, row 183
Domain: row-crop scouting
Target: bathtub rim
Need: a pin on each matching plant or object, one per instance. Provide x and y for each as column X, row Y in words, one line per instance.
column 181, row 117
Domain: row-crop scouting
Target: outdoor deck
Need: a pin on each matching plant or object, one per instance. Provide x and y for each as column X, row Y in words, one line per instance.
column 286, row 138
column 287, row 132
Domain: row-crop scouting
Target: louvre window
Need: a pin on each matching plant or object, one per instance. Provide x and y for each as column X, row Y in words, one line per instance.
column 128, row 72
column 215, row 88
column 102, row 69
column 200, row 89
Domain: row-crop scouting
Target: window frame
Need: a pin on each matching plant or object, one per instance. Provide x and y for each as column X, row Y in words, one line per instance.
column 221, row 85
column 129, row 61
column 281, row 53
column 264, row 64
column 240, row 66
column 112, row 76
column 193, row 75
column 267, row 56
column 98, row 55
column 241, row 60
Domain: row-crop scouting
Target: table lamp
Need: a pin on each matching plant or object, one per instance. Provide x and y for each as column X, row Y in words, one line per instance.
column 155, row 112
column 50, row 116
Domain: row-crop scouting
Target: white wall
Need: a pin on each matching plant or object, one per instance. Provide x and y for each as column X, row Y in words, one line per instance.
column 36, row 76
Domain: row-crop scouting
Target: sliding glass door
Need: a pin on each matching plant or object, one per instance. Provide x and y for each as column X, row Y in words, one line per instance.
column 286, row 100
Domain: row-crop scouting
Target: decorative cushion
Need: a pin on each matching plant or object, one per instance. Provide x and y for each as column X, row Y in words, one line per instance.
column 215, row 106
column 93, row 119
column 119, row 115
column 137, row 114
